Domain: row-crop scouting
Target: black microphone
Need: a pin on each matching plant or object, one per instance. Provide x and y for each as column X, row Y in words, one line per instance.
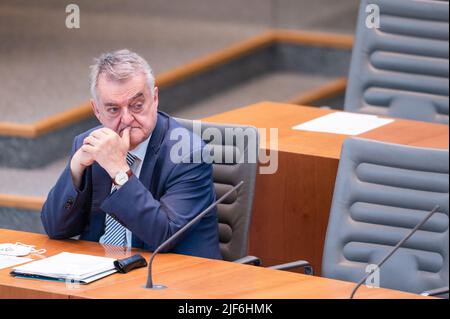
column 394, row 249
column 186, row 227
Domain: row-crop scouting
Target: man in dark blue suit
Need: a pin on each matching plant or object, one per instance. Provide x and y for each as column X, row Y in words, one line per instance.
column 124, row 185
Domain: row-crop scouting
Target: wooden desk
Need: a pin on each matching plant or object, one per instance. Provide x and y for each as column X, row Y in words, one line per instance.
column 291, row 207
column 11, row 287
column 186, row 277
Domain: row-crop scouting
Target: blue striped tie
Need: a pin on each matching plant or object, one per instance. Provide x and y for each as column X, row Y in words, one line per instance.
column 115, row 232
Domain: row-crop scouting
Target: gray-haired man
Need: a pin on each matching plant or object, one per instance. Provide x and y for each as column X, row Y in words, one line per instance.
column 120, row 186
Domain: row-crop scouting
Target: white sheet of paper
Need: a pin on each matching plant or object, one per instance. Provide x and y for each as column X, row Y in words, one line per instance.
column 64, row 265
column 344, row 123
column 9, row 261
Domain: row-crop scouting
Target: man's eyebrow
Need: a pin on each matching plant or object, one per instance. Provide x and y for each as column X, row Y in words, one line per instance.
column 138, row 95
column 111, row 104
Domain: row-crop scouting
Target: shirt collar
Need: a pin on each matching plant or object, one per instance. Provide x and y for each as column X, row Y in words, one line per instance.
column 141, row 149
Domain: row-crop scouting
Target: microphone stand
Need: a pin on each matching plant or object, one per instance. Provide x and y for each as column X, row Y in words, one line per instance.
column 171, row 239
column 394, row 250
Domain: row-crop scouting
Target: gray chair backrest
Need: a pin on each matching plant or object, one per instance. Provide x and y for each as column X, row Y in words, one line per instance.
column 234, row 151
column 402, row 68
column 383, row 191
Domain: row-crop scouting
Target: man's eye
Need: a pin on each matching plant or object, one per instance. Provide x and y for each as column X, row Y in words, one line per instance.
column 137, row 107
column 113, row 110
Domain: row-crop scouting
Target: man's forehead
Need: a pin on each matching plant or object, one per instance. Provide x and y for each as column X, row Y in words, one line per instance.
column 121, row 91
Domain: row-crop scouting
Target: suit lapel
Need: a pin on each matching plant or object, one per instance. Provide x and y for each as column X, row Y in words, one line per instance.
column 151, row 157
column 152, row 149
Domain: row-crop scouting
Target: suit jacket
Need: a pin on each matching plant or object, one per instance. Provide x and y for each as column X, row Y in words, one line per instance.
column 166, row 196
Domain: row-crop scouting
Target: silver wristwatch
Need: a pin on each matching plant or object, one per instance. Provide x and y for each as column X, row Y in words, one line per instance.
column 122, row 177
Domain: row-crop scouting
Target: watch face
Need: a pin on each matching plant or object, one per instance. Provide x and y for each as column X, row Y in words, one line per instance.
column 121, row 178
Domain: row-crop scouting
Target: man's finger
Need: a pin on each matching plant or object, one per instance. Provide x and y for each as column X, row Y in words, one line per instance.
column 106, row 131
column 126, row 136
column 98, row 134
column 88, row 148
column 91, row 141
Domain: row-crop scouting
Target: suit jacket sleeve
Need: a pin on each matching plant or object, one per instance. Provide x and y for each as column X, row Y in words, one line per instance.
column 66, row 209
column 189, row 190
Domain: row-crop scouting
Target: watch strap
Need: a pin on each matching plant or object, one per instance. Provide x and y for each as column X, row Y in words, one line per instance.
column 129, row 173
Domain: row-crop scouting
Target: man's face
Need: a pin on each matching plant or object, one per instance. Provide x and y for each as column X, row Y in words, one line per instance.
column 128, row 103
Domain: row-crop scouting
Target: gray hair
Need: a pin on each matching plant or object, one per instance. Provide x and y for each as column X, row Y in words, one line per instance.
column 118, row 66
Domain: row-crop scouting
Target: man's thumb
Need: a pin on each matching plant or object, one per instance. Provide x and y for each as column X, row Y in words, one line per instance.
column 126, row 136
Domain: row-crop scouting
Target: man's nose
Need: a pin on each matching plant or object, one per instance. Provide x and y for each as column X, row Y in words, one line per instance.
column 127, row 117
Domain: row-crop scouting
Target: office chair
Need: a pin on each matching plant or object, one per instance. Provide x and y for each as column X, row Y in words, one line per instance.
column 402, row 68
column 383, row 191
column 234, row 159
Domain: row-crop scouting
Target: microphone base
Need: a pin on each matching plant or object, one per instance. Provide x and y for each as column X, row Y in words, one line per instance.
column 156, row 287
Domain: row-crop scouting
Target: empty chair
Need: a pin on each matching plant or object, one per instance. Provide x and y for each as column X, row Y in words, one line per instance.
column 382, row 192
column 402, row 68
column 234, row 153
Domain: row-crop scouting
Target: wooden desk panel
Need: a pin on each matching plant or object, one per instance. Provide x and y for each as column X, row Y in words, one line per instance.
column 291, row 207
column 11, row 287
column 186, row 277
column 285, row 116
column 225, row 280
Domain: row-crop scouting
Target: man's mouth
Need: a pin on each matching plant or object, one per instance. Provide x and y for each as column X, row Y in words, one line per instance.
column 130, row 127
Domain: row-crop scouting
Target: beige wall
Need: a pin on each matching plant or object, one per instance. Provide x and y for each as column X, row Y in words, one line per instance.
column 327, row 15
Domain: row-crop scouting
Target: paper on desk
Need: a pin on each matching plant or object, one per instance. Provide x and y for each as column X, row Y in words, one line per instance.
column 344, row 123
column 9, row 261
column 68, row 265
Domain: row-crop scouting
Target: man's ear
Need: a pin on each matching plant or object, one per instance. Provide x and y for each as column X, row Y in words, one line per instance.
column 95, row 109
column 155, row 97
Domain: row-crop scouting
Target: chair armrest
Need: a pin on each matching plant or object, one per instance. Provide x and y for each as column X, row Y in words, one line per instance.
column 309, row 270
column 249, row 260
column 435, row 292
